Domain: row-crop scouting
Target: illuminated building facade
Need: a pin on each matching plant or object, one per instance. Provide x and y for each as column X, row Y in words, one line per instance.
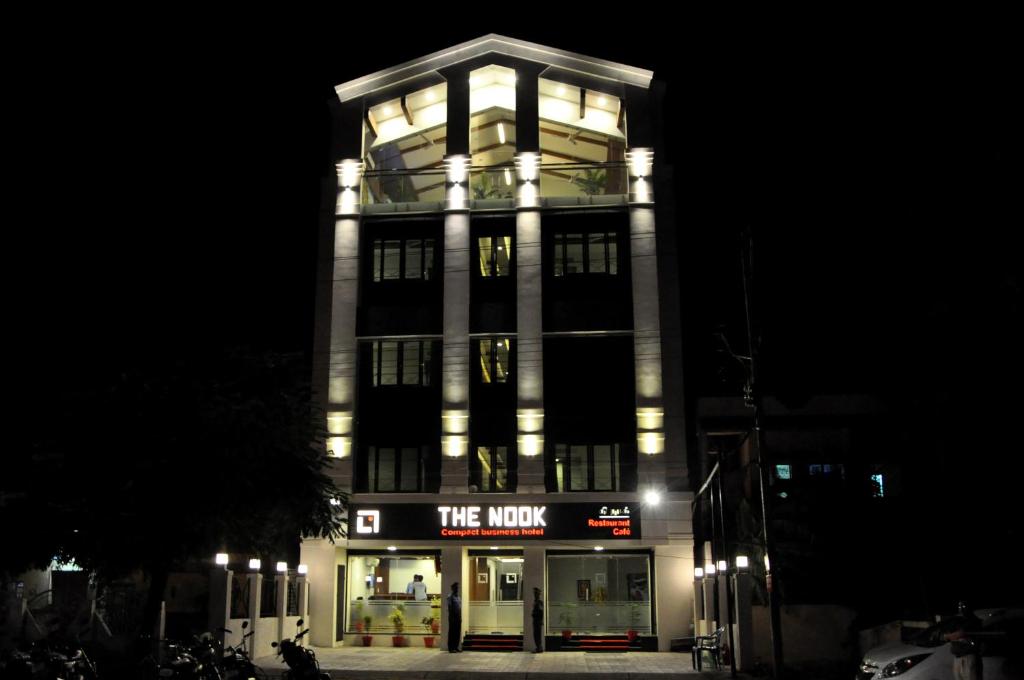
column 498, row 353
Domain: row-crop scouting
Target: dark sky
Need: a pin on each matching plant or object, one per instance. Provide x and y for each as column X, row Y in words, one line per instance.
column 174, row 184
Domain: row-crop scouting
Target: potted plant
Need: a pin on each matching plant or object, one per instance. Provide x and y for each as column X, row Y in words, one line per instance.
column 565, row 618
column 397, row 617
column 359, row 617
column 367, row 638
column 634, row 618
column 434, row 625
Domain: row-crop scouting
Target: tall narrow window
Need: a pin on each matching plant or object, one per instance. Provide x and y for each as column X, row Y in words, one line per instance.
column 593, row 253
column 491, row 468
column 495, row 255
column 587, row 467
column 391, row 468
column 494, row 360
column 411, row 259
column 408, row 362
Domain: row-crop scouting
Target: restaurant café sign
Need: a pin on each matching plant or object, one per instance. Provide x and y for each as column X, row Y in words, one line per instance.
column 425, row 521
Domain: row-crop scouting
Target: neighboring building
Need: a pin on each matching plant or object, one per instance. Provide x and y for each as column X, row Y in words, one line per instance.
column 498, row 350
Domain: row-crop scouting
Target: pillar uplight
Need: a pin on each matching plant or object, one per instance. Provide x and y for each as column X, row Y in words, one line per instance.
column 254, row 564
column 282, row 567
column 221, row 559
column 698, row 573
column 303, row 569
column 742, row 562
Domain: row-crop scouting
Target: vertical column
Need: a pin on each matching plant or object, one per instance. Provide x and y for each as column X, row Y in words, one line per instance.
column 533, row 577
column 219, row 608
column 455, row 358
column 282, row 603
column 319, row 556
column 744, row 626
column 454, row 569
column 341, row 387
column 650, row 413
column 529, row 339
column 674, row 566
column 255, row 612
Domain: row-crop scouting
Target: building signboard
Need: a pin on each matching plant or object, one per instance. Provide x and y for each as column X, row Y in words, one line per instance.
column 484, row 521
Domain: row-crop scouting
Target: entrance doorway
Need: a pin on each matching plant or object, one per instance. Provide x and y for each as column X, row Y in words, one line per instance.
column 495, row 592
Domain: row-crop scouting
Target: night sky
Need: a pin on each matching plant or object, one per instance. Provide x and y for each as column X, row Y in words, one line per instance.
column 172, row 179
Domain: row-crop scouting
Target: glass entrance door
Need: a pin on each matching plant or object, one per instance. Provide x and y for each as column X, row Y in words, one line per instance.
column 495, row 594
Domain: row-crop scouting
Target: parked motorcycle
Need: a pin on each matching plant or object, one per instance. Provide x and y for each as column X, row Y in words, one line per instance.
column 236, row 663
column 302, row 663
column 47, row 660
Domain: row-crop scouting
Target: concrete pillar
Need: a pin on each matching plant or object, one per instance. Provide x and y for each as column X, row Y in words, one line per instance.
column 529, row 343
column 673, row 567
column 219, row 603
column 319, row 555
column 743, row 630
column 282, row 604
column 454, row 569
column 255, row 590
column 455, row 369
column 342, row 378
column 302, row 593
column 533, row 577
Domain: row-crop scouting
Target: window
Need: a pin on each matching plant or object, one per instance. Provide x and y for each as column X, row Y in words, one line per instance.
column 877, row 486
column 587, row 467
column 495, row 253
column 783, row 471
column 492, row 469
column 494, row 358
column 406, row 362
column 394, row 469
column 411, row 259
column 593, row 253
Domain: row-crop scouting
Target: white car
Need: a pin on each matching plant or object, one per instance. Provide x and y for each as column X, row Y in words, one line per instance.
column 928, row 657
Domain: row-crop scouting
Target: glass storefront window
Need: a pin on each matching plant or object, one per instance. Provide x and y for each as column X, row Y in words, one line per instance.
column 594, row 594
column 492, row 132
column 404, row 144
column 376, row 583
column 495, row 594
column 583, row 148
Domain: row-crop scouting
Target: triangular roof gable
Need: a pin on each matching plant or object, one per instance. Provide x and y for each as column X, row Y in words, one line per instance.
column 493, row 43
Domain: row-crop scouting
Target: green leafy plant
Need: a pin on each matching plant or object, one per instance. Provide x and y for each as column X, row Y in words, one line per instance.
column 367, row 621
column 485, row 187
column 397, row 618
column 592, row 182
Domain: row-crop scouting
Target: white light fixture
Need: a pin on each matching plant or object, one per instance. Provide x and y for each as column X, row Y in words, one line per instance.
column 380, row 579
column 598, row 548
column 510, row 559
column 303, row 569
column 723, row 566
column 392, row 548
column 335, row 501
column 387, row 111
column 742, row 562
column 282, row 567
column 254, row 564
column 652, row 497
column 431, row 96
column 709, row 568
column 767, row 564
column 561, row 91
column 221, row 559
column 508, row 183
column 601, row 101
column 501, row 133
column 494, row 547
column 698, row 573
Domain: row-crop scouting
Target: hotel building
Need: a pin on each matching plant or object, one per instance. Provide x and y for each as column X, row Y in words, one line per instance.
column 498, row 354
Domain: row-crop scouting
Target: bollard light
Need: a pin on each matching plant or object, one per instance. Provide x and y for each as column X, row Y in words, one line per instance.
column 282, row 567
column 221, row 559
column 254, row 564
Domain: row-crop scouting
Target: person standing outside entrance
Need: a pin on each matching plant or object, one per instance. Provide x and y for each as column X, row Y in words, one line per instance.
column 417, row 588
column 454, row 619
column 967, row 664
column 538, row 621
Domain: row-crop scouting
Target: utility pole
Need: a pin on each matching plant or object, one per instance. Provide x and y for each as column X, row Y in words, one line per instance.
column 753, row 398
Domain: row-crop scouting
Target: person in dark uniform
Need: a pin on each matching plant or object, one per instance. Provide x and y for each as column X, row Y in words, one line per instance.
column 967, row 664
column 454, row 619
column 538, row 621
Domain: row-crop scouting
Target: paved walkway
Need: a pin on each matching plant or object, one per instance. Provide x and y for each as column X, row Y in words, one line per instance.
column 385, row 663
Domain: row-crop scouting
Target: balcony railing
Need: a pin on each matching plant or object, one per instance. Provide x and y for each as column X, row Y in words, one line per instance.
column 423, row 190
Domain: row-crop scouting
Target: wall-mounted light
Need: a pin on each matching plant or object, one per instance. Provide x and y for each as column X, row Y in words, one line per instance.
column 348, row 173
column 698, row 573
column 303, row 569
column 501, row 133
column 221, row 559
column 652, row 497
column 508, row 183
column 254, row 564
column 282, row 567
column 598, row 548
column 392, row 548
column 742, row 562
column 494, row 547
column 640, row 162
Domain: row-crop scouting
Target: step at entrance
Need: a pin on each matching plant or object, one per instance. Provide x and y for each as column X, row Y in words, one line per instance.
column 479, row 642
column 600, row 643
